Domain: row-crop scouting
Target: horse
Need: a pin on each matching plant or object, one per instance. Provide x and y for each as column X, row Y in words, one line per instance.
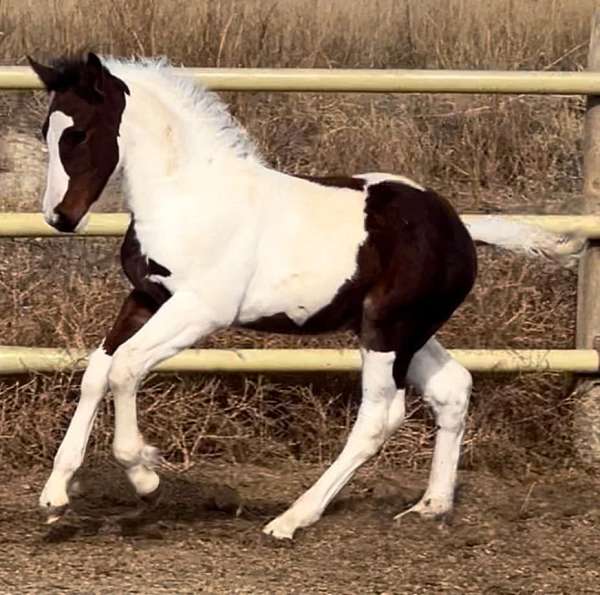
column 217, row 238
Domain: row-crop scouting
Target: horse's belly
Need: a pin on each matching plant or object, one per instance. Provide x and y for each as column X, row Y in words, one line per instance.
column 301, row 286
column 332, row 312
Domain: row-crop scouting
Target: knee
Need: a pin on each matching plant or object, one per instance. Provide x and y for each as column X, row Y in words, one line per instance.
column 95, row 376
column 448, row 393
column 124, row 370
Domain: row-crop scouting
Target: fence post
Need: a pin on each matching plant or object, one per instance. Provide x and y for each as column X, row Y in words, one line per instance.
column 587, row 408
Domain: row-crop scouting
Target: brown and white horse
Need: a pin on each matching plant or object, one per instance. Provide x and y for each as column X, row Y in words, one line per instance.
column 217, row 238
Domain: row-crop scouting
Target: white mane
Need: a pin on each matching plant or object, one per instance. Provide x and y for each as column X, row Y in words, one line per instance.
column 201, row 111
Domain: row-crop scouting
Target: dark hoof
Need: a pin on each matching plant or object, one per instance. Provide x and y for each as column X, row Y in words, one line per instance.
column 55, row 513
column 153, row 498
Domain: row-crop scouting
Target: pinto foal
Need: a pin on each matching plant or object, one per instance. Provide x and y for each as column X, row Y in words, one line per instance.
column 217, row 238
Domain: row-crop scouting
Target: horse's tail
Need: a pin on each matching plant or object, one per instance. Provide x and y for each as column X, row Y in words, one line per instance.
column 527, row 239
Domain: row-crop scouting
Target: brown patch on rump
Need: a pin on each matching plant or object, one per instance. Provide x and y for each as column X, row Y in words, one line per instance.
column 427, row 266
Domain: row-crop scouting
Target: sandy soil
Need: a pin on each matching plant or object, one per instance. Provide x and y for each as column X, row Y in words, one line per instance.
column 533, row 535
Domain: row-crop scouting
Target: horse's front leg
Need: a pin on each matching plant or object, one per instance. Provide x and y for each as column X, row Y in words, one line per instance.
column 54, row 500
column 178, row 323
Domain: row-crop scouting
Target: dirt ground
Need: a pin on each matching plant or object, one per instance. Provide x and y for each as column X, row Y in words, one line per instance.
column 539, row 534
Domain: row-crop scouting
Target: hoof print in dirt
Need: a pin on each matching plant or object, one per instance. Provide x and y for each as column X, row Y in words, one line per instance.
column 129, row 528
column 394, row 494
column 226, row 499
column 60, row 533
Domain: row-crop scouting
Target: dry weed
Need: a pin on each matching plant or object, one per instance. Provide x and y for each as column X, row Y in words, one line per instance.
column 511, row 154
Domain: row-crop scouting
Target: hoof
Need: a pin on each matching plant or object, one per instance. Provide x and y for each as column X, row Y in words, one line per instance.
column 144, row 480
column 429, row 510
column 55, row 513
column 285, row 525
column 153, row 498
column 278, row 532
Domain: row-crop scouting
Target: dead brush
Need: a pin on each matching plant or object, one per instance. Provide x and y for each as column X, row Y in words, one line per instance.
column 492, row 154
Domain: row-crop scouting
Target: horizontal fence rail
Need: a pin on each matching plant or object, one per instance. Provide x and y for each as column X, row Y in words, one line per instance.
column 20, row 360
column 115, row 224
column 365, row 81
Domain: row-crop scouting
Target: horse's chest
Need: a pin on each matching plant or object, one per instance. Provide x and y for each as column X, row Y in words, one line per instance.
column 214, row 263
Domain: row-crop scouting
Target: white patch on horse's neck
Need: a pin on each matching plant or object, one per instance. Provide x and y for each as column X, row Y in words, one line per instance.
column 173, row 130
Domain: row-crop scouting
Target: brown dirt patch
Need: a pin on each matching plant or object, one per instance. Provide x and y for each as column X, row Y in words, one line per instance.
column 535, row 534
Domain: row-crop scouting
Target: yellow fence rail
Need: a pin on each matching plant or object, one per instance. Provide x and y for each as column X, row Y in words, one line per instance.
column 365, row 81
column 20, row 360
column 115, row 224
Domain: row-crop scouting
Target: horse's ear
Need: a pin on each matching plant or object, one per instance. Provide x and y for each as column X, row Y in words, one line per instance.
column 48, row 75
column 122, row 85
column 93, row 75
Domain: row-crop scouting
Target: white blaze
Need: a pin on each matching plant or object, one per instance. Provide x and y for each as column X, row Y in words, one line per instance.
column 58, row 180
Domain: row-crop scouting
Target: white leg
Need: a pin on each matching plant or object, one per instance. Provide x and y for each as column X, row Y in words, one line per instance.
column 446, row 386
column 381, row 412
column 181, row 321
column 54, row 498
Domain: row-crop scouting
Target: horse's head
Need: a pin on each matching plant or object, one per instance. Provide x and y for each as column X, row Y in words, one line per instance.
column 81, row 131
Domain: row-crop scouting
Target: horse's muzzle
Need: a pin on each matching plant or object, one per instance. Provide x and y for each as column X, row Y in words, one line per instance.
column 63, row 223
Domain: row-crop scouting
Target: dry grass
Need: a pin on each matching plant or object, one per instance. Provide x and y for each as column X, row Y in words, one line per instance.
column 516, row 154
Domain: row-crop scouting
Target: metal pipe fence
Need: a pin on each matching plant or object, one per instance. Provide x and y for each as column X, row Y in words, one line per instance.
column 321, row 80
column 18, row 360
column 25, row 225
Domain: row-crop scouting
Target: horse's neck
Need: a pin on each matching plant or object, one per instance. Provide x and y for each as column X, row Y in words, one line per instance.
column 145, row 143
column 165, row 155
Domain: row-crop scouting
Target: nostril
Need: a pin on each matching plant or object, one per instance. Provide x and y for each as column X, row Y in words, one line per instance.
column 50, row 217
column 63, row 223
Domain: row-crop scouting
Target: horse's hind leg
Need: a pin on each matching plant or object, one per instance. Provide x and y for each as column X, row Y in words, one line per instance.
column 54, row 498
column 446, row 386
column 381, row 412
